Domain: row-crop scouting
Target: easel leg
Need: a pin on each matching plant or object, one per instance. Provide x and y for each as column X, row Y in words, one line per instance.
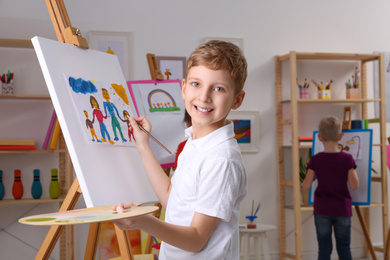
column 366, row 234
column 387, row 246
column 124, row 244
column 93, row 235
column 149, row 241
column 55, row 231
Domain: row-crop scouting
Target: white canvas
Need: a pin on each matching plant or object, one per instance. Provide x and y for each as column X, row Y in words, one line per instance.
column 108, row 174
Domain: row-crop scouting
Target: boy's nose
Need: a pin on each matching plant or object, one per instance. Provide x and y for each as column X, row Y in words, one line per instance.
column 205, row 95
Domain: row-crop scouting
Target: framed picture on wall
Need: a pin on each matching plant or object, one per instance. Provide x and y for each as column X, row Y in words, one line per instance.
column 246, row 129
column 172, row 67
column 237, row 41
column 116, row 43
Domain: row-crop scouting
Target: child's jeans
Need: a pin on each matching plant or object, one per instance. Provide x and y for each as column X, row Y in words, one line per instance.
column 342, row 232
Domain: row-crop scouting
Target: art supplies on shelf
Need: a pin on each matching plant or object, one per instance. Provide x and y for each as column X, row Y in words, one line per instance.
column 17, row 144
column 303, row 89
column 49, row 130
column 324, row 90
column 305, row 140
column 55, row 136
column 17, row 147
column 7, row 83
column 352, row 87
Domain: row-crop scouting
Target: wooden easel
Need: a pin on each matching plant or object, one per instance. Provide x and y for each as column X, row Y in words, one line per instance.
column 347, row 118
column 346, row 125
column 387, row 245
column 68, row 34
column 155, row 72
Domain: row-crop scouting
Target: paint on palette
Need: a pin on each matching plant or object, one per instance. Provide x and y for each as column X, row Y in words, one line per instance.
column 85, row 215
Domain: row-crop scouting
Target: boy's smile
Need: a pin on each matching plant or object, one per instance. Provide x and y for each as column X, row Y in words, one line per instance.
column 209, row 95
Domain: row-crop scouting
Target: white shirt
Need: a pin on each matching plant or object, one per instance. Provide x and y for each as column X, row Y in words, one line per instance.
column 210, row 179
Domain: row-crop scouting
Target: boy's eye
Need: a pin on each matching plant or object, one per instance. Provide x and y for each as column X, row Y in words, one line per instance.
column 195, row 84
column 218, row 89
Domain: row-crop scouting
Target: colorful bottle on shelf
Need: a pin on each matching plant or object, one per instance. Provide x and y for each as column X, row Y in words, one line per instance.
column 2, row 190
column 36, row 188
column 17, row 188
column 54, row 189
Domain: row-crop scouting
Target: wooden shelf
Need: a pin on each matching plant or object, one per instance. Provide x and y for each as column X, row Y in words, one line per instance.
column 30, row 201
column 65, row 168
column 287, row 113
column 13, row 96
column 309, row 146
column 310, row 207
column 331, row 56
column 33, row 151
column 341, row 101
column 15, row 43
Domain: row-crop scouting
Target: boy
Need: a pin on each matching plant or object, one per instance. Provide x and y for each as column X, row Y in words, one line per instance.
column 332, row 199
column 203, row 199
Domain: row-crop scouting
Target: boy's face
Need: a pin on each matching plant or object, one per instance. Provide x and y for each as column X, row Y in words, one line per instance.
column 106, row 96
column 209, row 95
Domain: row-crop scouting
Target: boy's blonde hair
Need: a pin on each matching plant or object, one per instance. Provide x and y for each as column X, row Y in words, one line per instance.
column 330, row 128
column 221, row 55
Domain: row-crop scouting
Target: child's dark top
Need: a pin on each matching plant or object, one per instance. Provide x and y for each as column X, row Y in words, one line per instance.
column 332, row 196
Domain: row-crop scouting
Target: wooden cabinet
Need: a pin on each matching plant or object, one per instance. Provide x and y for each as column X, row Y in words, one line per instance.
column 291, row 124
column 15, row 105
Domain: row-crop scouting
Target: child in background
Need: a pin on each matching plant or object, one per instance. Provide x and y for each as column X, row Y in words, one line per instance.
column 187, row 120
column 204, row 196
column 334, row 171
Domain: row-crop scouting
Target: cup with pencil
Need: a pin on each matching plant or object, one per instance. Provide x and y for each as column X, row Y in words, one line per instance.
column 324, row 90
column 303, row 89
column 252, row 218
column 353, row 86
column 7, row 83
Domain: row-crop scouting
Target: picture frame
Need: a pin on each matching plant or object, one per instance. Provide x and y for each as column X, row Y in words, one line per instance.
column 237, row 41
column 247, row 130
column 118, row 43
column 176, row 66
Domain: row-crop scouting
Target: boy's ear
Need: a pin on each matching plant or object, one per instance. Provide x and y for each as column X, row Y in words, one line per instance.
column 183, row 85
column 319, row 137
column 238, row 100
column 341, row 136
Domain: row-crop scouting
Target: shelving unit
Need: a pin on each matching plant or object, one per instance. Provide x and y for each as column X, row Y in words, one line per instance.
column 65, row 168
column 290, row 118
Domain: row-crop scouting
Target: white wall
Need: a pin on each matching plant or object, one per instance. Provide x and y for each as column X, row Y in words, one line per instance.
column 269, row 28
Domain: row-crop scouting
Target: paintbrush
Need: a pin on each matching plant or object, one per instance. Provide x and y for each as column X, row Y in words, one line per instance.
column 151, row 136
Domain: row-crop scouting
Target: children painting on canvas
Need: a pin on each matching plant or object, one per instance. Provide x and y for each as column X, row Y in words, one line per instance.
column 334, row 171
column 203, row 198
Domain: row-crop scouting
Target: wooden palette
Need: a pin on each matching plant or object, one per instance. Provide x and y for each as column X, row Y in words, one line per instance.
column 85, row 216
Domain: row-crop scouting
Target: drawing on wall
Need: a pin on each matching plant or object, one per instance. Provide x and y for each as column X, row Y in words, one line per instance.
column 242, row 131
column 103, row 110
column 246, row 129
column 167, row 122
column 159, row 99
column 172, row 67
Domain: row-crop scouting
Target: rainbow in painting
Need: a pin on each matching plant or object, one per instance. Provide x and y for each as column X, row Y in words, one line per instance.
column 242, row 131
column 161, row 101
